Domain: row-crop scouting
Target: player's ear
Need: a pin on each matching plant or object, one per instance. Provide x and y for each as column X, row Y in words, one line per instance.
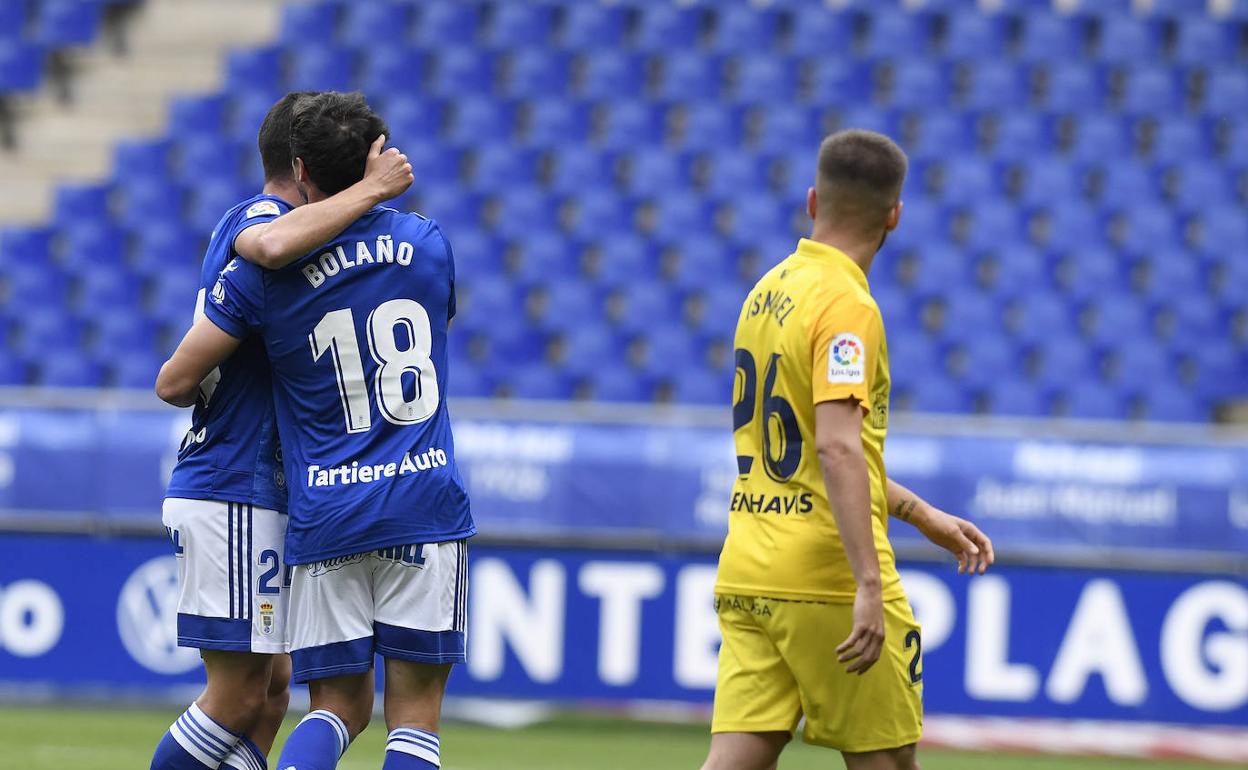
column 301, row 171
column 812, row 202
column 894, row 216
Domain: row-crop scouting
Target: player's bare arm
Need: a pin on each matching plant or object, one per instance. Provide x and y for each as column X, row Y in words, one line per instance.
column 203, row 348
column 838, row 442
column 276, row 244
column 956, row 535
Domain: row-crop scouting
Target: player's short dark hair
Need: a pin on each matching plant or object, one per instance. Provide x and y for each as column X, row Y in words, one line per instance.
column 860, row 177
column 274, row 136
column 332, row 132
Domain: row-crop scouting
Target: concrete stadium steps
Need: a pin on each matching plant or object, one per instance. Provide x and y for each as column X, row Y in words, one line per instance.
column 175, row 47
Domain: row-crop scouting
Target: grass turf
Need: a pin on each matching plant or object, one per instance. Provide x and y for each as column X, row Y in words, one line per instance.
column 52, row 738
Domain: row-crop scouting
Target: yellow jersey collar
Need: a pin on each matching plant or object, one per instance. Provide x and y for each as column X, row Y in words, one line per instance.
column 834, row 256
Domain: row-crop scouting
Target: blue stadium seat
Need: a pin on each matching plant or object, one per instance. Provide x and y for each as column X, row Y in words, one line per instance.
column 941, row 395
column 619, row 383
column 1017, row 398
column 993, row 222
column 1200, row 183
column 133, row 369
column 414, row 118
column 670, row 349
column 33, row 286
column 967, row 179
column 21, row 65
column 681, row 214
column 995, row 85
column 1017, row 265
column 1099, row 136
column 1178, row 274
column 250, row 70
column 442, row 20
column 1022, row 135
column 64, row 23
column 1143, row 362
column 534, row 73
column 576, row 163
column 201, row 153
column 666, row 27
column 764, row 79
column 523, row 210
column 390, row 67
column 160, row 244
column 520, row 25
column 919, row 84
column 432, row 162
column 590, row 26
column 972, row 34
column 24, row 245
column 698, row 258
column 816, row 29
column 627, row 260
column 1128, row 40
column 1226, row 93
column 710, row 125
column 729, row 173
column 1091, row 271
column 1179, row 139
column 539, row 381
column 14, row 369
column 602, row 211
column 1165, row 402
column 453, row 208
column 114, row 334
column 741, row 28
column 1046, row 317
column 198, row 116
column 1184, row 10
column 889, row 32
column 1150, row 227
column 837, row 81
column 1073, row 87
column 557, row 122
column 462, row 70
column 940, row 133
column 625, row 124
column 763, row 220
column 1126, row 182
column 1093, row 401
column 782, row 127
column 478, row 116
column 490, row 296
column 210, row 199
column 142, row 199
column 570, row 302
column 611, row 74
column 82, row 203
column 370, row 24
column 589, row 349
column 1152, row 89
column 687, row 75
column 13, row 18
column 702, row 386
column 142, row 160
column 1204, row 41
column 91, row 246
column 67, row 368
column 307, row 25
column 1118, row 316
column 322, row 68
column 966, row 313
column 48, row 328
column 1051, row 38
column 504, row 168
column 1046, row 179
column 655, row 173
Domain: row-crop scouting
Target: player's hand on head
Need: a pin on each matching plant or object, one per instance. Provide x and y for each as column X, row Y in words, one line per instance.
column 861, row 649
column 971, row 547
column 389, row 171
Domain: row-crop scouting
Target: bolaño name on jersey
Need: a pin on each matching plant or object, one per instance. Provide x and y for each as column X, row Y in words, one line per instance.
column 346, row 475
column 384, row 251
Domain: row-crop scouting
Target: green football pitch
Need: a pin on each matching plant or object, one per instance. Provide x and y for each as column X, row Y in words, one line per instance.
column 45, row 738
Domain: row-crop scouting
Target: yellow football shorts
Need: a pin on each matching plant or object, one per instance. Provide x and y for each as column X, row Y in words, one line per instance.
column 778, row 663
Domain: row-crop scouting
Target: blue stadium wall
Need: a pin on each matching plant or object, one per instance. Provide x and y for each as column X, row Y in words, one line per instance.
column 1121, row 592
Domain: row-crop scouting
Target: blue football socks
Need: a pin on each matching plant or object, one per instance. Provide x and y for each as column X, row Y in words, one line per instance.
column 411, row 749
column 246, row 756
column 316, row 744
column 194, row 742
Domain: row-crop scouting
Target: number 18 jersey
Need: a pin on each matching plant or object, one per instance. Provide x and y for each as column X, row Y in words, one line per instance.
column 356, row 334
column 809, row 332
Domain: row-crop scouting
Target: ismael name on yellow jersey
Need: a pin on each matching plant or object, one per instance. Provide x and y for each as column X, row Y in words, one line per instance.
column 810, row 332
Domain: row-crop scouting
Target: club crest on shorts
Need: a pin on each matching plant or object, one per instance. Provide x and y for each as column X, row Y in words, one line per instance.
column 266, row 618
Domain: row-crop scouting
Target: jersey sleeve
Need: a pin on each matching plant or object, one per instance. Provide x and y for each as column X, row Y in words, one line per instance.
column 450, row 266
column 846, row 337
column 236, row 304
column 256, row 214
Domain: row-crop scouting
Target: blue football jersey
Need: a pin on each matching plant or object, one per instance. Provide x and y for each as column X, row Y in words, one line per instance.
column 356, row 334
column 231, row 452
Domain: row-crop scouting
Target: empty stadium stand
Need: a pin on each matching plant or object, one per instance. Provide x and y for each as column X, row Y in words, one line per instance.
column 614, row 177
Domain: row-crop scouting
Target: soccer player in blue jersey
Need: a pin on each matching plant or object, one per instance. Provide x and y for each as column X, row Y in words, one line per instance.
column 225, row 507
column 356, row 334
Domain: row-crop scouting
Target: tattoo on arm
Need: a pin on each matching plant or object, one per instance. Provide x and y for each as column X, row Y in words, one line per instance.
column 905, row 509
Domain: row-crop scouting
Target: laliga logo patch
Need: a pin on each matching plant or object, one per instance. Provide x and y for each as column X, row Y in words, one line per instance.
column 846, row 358
column 266, row 618
column 263, row 208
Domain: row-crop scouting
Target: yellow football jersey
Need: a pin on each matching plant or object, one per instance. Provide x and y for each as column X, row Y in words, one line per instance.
column 809, row 332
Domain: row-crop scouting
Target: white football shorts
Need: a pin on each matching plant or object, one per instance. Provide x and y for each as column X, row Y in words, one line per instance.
column 405, row 602
column 233, row 585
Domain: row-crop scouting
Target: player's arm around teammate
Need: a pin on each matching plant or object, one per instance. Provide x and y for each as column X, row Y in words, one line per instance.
column 278, row 243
